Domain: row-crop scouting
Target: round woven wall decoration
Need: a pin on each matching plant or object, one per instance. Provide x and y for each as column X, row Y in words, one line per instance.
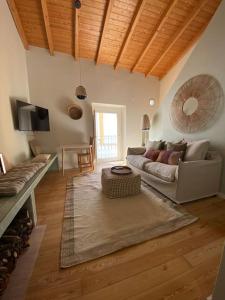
column 197, row 104
column 75, row 112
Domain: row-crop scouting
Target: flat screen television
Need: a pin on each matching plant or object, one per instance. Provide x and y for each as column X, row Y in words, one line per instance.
column 31, row 117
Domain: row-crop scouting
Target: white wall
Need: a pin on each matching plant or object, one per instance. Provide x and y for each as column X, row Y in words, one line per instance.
column 13, row 83
column 167, row 81
column 208, row 57
column 52, row 82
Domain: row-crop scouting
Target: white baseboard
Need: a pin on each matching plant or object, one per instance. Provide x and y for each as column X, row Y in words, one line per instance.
column 221, row 195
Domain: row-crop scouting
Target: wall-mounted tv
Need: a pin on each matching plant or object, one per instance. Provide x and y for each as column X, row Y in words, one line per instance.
column 31, row 118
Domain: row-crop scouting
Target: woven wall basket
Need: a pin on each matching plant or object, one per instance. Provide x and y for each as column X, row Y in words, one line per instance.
column 210, row 97
column 75, row 112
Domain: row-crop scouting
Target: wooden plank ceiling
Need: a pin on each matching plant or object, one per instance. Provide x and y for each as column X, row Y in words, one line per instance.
column 146, row 36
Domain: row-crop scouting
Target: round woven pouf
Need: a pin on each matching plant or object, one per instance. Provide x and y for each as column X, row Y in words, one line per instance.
column 196, row 104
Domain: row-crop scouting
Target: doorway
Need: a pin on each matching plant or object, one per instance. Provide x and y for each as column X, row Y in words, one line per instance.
column 108, row 132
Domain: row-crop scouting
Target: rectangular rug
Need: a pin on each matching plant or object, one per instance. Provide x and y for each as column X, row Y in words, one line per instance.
column 95, row 225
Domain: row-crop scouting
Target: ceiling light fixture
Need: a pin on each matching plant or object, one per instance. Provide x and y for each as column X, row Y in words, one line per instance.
column 77, row 4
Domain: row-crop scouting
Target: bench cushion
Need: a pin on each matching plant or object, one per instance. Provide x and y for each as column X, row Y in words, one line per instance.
column 14, row 180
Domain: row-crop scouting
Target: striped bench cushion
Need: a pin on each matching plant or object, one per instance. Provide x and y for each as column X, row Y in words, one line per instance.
column 14, row 180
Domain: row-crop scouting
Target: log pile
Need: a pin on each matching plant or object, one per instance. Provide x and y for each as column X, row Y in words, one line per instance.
column 12, row 244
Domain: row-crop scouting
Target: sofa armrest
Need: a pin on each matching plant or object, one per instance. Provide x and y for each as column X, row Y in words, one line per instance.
column 198, row 179
column 136, row 150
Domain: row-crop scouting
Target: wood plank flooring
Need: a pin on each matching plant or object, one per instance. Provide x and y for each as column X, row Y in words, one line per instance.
column 178, row 266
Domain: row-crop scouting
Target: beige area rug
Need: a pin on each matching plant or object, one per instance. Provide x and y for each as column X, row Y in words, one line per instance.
column 19, row 279
column 95, row 225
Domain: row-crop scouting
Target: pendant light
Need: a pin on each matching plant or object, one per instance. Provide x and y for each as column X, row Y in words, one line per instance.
column 81, row 93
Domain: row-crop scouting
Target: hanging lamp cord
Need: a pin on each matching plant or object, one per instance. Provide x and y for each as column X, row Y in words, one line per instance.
column 79, row 52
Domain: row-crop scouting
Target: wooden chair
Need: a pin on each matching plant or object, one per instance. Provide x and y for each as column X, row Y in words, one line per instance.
column 86, row 159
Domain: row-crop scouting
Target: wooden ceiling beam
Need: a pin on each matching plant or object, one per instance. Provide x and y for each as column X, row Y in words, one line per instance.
column 156, row 33
column 130, row 31
column 47, row 26
column 18, row 23
column 76, row 34
column 179, row 33
column 104, row 28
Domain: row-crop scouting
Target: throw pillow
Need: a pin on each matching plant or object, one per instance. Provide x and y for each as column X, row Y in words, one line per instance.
column 174, row 157
column 164, row 156
column 152, row 154
column 35, row 147
column 176, row 146
column 154, row 145
column 41, row 158
column 196, row 150
column 136, row 151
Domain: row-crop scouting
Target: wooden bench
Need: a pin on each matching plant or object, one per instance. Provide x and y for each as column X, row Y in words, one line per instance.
column 10, row 206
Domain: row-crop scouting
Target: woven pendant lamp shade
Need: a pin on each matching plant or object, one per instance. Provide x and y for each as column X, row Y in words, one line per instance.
column 145, row 122
column 81, row 92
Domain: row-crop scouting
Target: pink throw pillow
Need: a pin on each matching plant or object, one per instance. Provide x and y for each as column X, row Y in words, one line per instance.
column 152, row 154
column 164, row 156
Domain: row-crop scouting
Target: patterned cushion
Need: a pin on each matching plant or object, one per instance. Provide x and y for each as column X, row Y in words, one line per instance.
column 41, row 158
column 162, row 171
column 136, row 150
column 155, row 145
column 152, row 154
column 176, row 146
column 137, row 161
column 164, row 156
column 174, row 157
column 14, row 180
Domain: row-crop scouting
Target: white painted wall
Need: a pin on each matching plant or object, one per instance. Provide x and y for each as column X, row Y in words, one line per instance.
column 52, row 83
column 206, row 58
column 13, row 83
column 167, row 81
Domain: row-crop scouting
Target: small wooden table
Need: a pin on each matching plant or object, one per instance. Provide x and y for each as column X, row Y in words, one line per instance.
column 74, row 148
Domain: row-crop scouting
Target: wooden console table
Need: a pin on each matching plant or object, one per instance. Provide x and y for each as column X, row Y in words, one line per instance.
column 10, row 206
column 72, row 148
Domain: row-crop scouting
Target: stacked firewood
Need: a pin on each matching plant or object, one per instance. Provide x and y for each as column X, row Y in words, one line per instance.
column 12, row 245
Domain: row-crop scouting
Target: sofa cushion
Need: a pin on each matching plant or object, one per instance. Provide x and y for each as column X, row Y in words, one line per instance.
column 152, row 154
column 162, row 171
column 174, row 157
column 41, row 158
column 164, row 156
column 155, row 145
column 181, row 146
column 196, row 150
column 136, row 150
column 138, row 161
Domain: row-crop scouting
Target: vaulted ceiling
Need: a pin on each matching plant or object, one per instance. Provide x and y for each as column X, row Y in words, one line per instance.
column 146, row 36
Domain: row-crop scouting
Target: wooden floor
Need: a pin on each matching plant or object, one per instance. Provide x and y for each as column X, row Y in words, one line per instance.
column 178, row 266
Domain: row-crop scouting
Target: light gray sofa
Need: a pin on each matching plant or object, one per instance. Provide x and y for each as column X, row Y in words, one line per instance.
column 190, row 180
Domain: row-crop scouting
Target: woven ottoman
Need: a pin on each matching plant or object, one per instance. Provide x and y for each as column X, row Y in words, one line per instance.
column 117, row 186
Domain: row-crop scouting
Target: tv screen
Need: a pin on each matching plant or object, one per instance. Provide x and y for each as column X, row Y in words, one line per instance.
column 32, row 118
